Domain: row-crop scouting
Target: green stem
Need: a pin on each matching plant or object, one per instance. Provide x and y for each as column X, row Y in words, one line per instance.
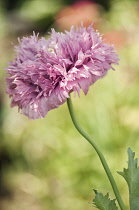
column 100, row 154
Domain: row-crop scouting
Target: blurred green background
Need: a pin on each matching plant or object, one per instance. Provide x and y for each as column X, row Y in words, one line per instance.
column 45, row 164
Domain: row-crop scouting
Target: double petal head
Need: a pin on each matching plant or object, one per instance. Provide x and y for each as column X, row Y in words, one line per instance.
column 45, row 72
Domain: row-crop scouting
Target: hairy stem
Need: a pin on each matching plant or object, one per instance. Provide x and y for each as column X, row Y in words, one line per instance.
column 100, row 154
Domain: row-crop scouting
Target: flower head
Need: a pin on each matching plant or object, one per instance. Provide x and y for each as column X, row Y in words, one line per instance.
column 46, row 71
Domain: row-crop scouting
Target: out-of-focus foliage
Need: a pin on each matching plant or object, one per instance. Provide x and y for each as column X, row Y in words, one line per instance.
column 45, row 164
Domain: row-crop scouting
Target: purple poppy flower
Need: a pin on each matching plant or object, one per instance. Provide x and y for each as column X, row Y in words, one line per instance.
column 46, row 71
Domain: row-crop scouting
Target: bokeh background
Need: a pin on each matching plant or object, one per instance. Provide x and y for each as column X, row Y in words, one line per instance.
column 45, row 164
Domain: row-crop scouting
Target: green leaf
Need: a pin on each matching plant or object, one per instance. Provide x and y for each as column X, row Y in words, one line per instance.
column 103, row 202
column 131, row 175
